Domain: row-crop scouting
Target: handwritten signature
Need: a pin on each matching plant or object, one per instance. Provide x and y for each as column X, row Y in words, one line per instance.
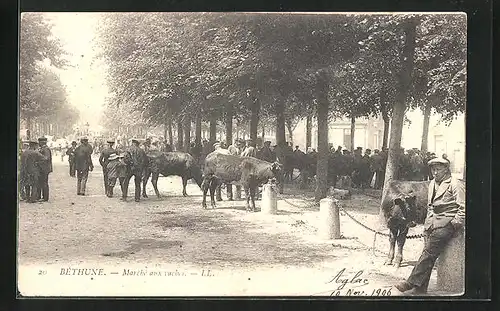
column 357, row 279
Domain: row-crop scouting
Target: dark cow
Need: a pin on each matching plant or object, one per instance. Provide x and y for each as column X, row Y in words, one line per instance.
column 404, row 206
column 171, row 164
column 248, row 172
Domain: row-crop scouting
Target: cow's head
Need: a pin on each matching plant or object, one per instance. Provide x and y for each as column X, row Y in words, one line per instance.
column 403, row 211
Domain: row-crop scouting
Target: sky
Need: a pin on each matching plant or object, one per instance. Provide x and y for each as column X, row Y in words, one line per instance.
column 85, row 78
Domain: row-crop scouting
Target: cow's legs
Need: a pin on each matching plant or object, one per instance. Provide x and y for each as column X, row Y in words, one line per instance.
column 145, row 179
column 154, row 181
column 253, row 191
column 247, row 197
column 205, row 185
column 214, row 185
column 392, row 244
column 401, row 239
column 184, row 184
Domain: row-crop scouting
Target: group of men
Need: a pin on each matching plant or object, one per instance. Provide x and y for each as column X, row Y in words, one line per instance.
column 35, row 167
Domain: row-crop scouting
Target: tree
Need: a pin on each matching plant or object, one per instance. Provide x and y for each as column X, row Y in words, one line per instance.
column 39, row 51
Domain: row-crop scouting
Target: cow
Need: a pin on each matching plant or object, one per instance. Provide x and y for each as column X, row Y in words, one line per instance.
column 403, row 206
column 171, row 164
column 248, row 172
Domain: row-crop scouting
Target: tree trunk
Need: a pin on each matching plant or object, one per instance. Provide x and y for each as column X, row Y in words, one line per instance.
column 254, row 119
column 263, row 132
column 280, row 123
column 187, row 135
column 290, row 130
column 322, row 117
column 308, row 131
column 180, row 137
column 229, row 123
column 425, row 130
column 353, row 131
column 198, row 129
column 399, row 108
column 170, row 131
column 386, row 130
column 213, row 128
column 29, row 127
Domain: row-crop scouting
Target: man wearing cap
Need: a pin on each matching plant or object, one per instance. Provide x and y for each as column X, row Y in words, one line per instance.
column 266, row 153
column 445, row 218
column 45, row 169
column 136, row 159
column 103, row 160
column 83, row 164
column 30, row 171
column 70, row 152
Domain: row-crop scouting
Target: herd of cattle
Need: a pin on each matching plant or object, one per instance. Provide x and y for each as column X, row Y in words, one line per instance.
column 403, row 206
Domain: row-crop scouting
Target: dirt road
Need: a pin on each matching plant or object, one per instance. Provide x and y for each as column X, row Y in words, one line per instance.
column 246, row 253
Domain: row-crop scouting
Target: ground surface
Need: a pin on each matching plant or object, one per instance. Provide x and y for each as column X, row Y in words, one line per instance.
column 246, row 253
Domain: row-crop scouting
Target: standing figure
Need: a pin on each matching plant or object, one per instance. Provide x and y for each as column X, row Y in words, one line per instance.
column 137, row 160
column 103, row 160
column 71, row 158
column 250, row 150
column 117, row 169
column 445, row 218
column 45, row 170
column 30, row 171
column 83, row 163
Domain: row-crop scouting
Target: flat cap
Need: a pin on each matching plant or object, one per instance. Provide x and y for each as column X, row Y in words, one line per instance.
column 439, row 160
column 42, row 139
column 110, row 141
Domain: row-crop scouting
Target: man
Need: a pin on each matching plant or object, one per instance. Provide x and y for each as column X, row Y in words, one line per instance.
column 266, row 153
column 218, row 148
column 147, row 145
column 445, row 218
column 103, row 160
column 71, row 158
column 249, row 150
column 30, row 171
column 45, row 170
column 137, row 160
column 83, row 164
column 234, row 149
column 117, row 169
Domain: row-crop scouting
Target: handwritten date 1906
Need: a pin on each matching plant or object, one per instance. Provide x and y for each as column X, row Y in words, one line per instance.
column 353, row 292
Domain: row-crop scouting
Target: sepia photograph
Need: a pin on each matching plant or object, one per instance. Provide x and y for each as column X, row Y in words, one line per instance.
column 234, row 154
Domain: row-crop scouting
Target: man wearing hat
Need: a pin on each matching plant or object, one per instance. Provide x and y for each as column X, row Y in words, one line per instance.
column 70, row 152
column 445, row 218
column 218, row 149
column 45, row 170
column 103, row 160
column 30, row 171
column 116, row 169
column 83, row 164
column 266, row 153
column 137, row 160
column 249, row 150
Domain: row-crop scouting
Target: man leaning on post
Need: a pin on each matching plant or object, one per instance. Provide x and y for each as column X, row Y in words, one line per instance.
column 445, row 219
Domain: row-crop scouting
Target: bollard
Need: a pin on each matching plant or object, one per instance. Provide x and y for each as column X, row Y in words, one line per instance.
column 329, row 219
column 451, row 266
column 269, row 200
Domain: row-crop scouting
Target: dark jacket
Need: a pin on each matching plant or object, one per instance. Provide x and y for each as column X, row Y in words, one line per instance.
column 46, row 164
column 446, row 203
column 71, row 153
column 105, row 153
column 137, row 159
column 30, row 166
column 83, row 158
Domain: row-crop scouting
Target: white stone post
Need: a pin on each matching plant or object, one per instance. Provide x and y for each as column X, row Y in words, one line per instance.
column 451, row 266
column 269, row 200
column 329, row 227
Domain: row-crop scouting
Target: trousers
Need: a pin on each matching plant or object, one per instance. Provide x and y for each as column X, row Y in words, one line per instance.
column 72, row 168
column 137, row 181
column 105, row 176
column 31, row 193
column 43, row 186
column 81, row 181
column 435, row 242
